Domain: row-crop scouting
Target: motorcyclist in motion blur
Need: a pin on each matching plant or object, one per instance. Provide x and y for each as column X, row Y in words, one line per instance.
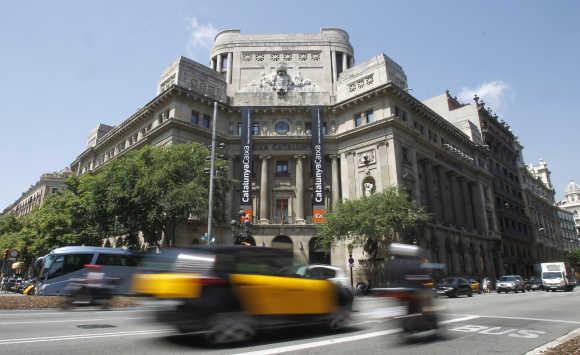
column 410, row 281
column 94, row 290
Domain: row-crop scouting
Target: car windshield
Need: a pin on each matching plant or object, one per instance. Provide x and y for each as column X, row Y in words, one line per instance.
column 448, row 281
column 507, row 279
column 552, row 275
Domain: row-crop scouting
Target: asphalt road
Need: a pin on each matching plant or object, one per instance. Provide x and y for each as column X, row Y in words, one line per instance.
column 504, row 324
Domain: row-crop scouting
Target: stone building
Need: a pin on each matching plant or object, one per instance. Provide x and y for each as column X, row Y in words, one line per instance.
column 539, row 199
column 571, row 202
column 36, row 195
column 375, row 135
column 570, row 237
column 482, row 126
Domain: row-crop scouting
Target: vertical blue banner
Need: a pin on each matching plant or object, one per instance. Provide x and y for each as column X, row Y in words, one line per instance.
column 246, row 166
column 318, row 168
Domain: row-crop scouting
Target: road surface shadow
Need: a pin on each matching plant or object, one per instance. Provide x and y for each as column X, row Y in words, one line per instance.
column 263, row 337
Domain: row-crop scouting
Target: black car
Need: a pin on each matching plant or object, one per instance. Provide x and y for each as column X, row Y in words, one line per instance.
column 534, row 283
column 453, row 287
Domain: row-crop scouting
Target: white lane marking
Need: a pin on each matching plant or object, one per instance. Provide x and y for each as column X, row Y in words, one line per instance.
column 529, row 318
column 82, row 336
column 70, row 320
column 20, row 314
column 316, row 344
column 456, row 320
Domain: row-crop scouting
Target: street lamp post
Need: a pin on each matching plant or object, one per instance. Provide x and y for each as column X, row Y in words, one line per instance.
column 211, row 173
column 350, row 264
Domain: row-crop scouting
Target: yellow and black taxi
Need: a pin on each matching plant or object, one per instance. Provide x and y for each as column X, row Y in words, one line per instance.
column 229, row 292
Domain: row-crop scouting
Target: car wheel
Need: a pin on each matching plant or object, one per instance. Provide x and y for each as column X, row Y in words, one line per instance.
column 229, row 328
column 470, row 294
column 340, row 319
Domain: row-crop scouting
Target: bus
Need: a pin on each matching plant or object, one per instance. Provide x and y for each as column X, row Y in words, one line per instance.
column 55, row 270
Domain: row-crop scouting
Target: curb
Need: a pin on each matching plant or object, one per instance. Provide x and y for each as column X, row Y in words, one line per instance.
column 554, row 343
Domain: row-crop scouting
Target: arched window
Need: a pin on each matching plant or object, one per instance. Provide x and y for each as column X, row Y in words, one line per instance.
column 282, row 127
column 282, row 242
column 317, row 254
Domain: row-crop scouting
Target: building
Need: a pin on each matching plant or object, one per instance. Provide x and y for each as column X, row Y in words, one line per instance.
column 571, row 240
column 483, row 127
column 571, row 202
column 286, row 91
column 36, row 195
column 539, row 199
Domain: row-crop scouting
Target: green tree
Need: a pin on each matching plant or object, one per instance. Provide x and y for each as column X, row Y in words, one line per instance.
column 574, row 258
column 372, row 222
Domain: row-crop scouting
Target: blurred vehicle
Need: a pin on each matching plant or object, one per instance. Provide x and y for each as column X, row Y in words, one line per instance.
column 58, row 268
column 324, row 272
column 94, row 290
column 509, row 283
column 474, row 284
column 229, row 292
column 453, row 287
column 557, row 276
column 535, row 283
column 410, row 278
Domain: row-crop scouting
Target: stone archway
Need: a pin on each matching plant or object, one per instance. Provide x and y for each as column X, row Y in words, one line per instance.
column 317, row 254
column 283, row 242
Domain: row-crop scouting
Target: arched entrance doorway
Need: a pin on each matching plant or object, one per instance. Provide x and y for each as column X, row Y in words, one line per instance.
column 282, row 242
column 317, row 254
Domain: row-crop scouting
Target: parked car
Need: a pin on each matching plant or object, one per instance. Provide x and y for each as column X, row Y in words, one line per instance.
column 474, row 284
column 509, row 283
column 535, row 283
column 453, row 287
column 230, row 292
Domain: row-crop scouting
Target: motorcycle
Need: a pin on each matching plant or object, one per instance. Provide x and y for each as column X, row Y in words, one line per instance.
column 94, row 290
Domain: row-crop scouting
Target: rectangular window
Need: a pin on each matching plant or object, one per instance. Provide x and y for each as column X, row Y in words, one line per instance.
column 308, row 127
column 404, row 115
column 282, row 168
column 255, row 129
column 205, row 121
column 357, row 119
column 370, row 116
column 239, row 128
column 194, row 117
column 405, row 154
column 324, row 129
column 224, row 63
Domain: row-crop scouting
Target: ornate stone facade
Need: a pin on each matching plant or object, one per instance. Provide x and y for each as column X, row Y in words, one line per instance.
column 376, row 135
column 36, row 195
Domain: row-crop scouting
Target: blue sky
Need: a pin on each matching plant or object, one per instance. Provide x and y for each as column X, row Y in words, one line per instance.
column 66, row 66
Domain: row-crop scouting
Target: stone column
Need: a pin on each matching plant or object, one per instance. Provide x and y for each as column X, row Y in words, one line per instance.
column 457, row 201
column 344, row 61
column 415, row 162
column 480, row 207
column 264, row 215
column 299, row 211
column 219, row 63
column 333, row 59
column 335, row 180
column 229, row 70
column 467, row 204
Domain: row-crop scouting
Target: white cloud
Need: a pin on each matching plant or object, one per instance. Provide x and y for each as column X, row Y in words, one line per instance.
column 493, row 93
column 202, row 35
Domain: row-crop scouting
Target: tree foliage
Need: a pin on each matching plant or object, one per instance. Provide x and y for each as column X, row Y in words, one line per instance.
column 574, row 258
column 146, row 191
column 371, row 222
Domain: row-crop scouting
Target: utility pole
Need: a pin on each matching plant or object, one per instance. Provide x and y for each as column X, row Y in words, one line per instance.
column 211, row 172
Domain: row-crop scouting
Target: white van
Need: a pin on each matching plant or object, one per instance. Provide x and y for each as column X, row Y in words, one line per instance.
column 56, row 269
column 557, row 276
